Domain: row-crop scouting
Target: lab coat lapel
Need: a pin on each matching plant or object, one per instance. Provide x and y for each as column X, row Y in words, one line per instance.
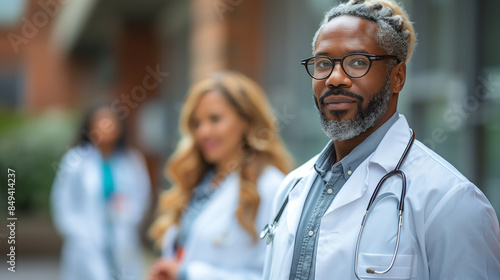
column 297, row 198
column 352, row 190
column 367, row 174
column 93, row 177
column 93, row 191
column 222, row 202
column 221, row 206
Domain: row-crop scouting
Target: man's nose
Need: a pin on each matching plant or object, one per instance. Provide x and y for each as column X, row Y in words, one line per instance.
column 338, row 78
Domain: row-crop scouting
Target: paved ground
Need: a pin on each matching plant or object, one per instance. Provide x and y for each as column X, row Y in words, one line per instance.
column 37, row 249
column 46, row 268
column 27, row 268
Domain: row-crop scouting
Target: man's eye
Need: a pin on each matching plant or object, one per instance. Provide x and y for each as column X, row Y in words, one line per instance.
column 358, row 63
column 323, row 64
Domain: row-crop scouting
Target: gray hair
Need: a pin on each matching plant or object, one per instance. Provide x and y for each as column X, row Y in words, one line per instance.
column 395, row 32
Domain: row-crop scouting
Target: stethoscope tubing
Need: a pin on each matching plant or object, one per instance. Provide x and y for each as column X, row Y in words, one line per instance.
column 396, row 171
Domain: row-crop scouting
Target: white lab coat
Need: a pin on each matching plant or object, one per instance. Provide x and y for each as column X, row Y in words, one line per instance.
column 450, row 230
column 217, row 246
column 79, row 213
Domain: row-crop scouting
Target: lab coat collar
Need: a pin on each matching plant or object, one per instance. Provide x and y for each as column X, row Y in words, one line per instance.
column 227, row 188
column 392, row 146
column 354, row 188
column 386, row 156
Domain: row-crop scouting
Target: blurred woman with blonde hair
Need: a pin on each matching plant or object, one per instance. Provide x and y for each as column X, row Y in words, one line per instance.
column 227, row 167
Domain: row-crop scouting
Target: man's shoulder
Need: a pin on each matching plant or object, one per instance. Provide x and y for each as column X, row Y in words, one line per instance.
column 426, row 160
column 269, row 181
column 435, row 180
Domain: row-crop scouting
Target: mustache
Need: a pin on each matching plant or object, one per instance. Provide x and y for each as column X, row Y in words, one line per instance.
column 339, row 91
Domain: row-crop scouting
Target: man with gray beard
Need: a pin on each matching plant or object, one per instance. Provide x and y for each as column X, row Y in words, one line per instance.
column 375, row 203
column 340, row 130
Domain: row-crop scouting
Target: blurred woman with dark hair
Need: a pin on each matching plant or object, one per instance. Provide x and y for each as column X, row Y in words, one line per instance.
column 227, row 167
column 99, row 197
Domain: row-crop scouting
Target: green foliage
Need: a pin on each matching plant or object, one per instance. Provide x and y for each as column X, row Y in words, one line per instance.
column 33, row 146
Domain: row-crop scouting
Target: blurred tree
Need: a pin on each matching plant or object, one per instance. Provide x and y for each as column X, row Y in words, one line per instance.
column 32, row 146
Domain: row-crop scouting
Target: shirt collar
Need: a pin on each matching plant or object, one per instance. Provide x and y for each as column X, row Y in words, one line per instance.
column 327, row 158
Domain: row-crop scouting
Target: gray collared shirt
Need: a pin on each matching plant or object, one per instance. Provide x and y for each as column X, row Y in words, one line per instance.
column 332, row 176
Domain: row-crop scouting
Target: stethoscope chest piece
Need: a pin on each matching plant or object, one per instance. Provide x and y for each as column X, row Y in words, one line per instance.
column 268, row 231
column 270, row 228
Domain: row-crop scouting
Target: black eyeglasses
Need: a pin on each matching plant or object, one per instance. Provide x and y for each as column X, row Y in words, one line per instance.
column 355, row 65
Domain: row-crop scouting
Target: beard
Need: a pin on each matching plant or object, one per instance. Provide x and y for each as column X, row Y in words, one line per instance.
column 340, row 130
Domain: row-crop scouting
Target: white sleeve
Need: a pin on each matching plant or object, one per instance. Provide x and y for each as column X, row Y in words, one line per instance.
column 65, row 196
column 168, row 250
column 142, row 188
column 463, row 236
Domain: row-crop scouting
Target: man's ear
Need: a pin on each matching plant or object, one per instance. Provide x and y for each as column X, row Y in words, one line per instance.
column 398, row 77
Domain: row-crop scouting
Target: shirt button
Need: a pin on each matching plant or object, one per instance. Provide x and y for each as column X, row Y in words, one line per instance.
column 349, row 172
column 310, row 233
column 329, row 191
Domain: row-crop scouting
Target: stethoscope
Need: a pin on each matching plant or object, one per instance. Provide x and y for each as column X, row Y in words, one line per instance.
column 270, row 229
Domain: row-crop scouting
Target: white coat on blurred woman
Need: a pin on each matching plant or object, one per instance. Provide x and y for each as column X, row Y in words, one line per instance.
column 99, row 197
column 225, row 173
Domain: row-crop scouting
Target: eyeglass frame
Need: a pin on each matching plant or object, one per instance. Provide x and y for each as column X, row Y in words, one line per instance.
column 371, row 58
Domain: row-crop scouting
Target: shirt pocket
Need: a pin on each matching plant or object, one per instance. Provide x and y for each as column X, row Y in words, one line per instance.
column 404, row 266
